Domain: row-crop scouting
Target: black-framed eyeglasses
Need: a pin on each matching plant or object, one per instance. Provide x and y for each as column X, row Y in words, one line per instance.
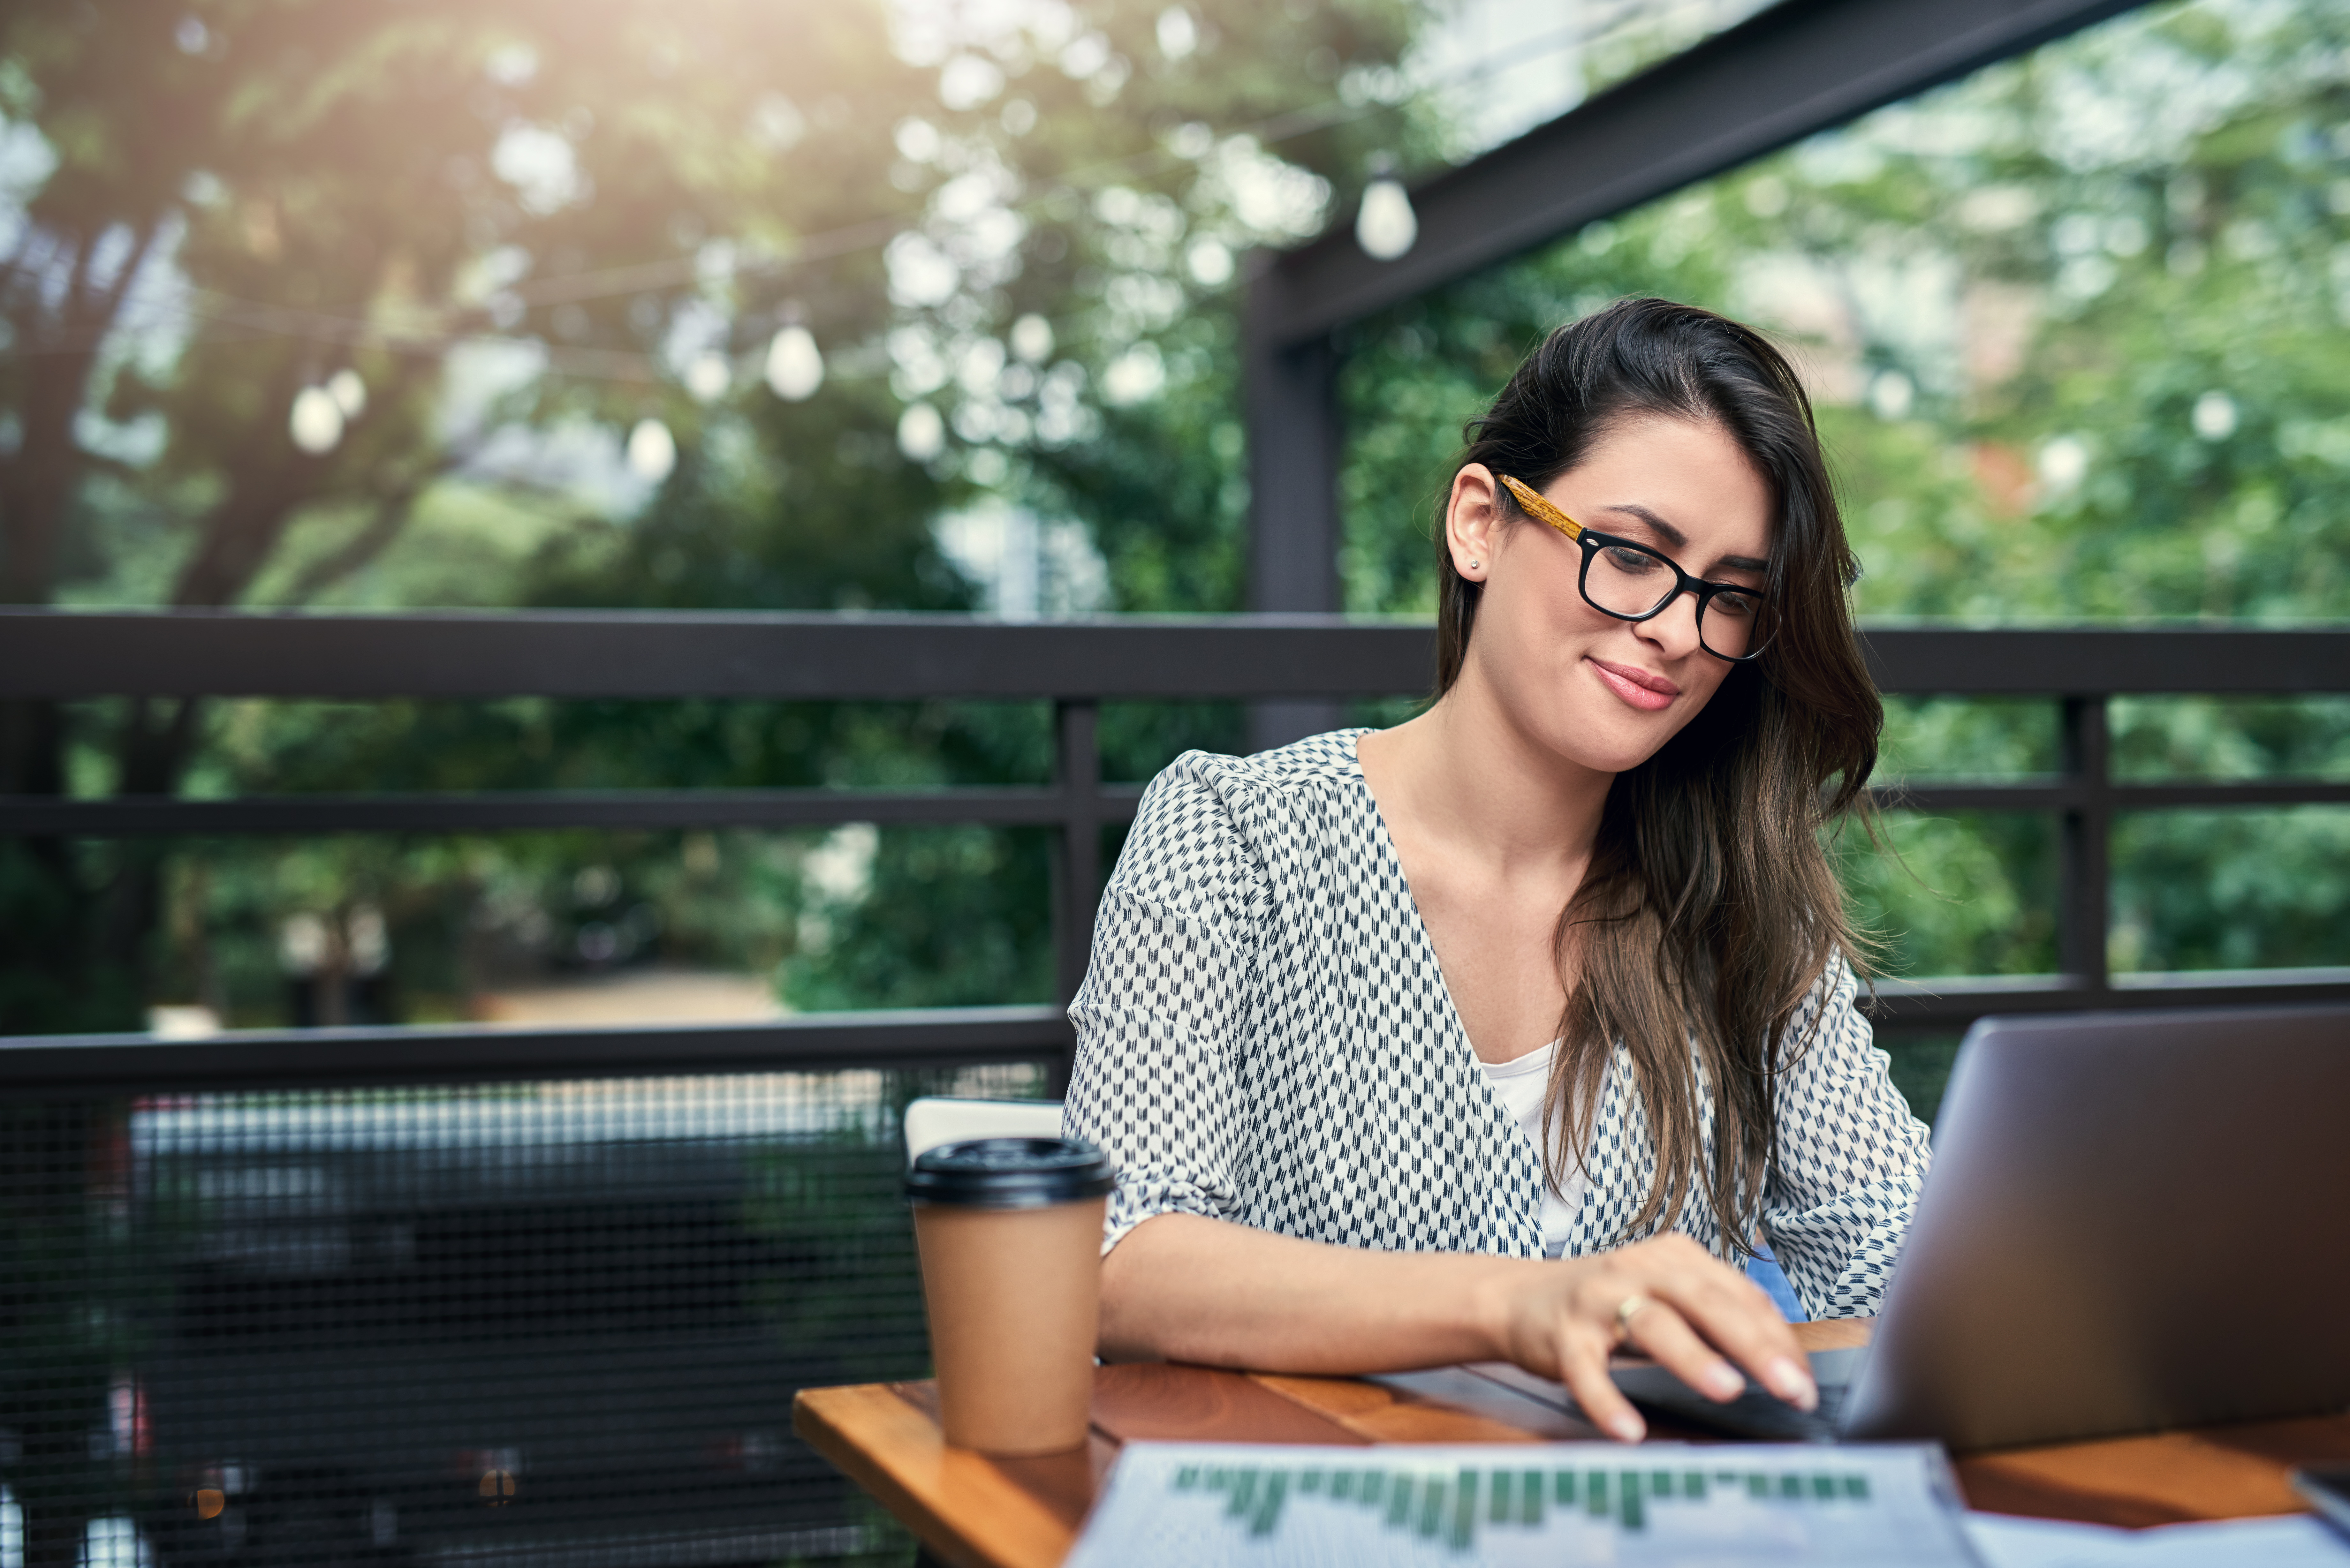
column 1631, row 581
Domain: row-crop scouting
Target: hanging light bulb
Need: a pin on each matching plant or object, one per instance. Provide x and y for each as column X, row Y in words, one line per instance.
column 706, row 378
column 348, row 391
column 1031, row 338
column 317, row 422
column 794, row 364
column 921, row 433
column 1385, row 225
column 652, row 450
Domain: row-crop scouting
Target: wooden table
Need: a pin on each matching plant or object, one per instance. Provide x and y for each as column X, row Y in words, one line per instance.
column 979, row 1513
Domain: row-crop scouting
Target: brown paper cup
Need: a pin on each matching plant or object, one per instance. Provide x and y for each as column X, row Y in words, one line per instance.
column 1015, row 1299
column 1009, row 1234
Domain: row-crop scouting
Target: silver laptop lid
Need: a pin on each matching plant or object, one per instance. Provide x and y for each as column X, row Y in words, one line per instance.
column 2134, row 1220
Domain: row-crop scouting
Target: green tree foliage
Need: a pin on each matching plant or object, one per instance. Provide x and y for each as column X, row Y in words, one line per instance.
column 305, row 273
column 2074, row 324
column 2077, row 330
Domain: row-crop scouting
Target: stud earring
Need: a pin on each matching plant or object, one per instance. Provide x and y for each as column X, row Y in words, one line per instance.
column 1475, row 564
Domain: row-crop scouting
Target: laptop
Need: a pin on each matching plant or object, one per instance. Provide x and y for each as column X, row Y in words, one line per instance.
column 2134, row 1220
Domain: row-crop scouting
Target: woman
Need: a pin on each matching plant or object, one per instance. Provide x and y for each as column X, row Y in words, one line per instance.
column 1500, row 1033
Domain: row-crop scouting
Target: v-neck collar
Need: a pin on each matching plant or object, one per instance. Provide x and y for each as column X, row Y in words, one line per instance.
column 1419, row 925
column 1465, row 1052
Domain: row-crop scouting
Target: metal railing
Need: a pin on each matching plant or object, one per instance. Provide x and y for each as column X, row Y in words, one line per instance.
column 1077, row 665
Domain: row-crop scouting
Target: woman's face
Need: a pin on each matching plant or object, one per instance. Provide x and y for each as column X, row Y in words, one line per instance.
column 1593, row 690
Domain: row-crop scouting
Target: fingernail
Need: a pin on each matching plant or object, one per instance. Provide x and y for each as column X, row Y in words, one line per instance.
column 1792, row 1384
column 1722, row 1383
column 1626, row 1427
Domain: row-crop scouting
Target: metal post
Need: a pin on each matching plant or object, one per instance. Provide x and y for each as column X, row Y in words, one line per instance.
column 2084, row 871
column 1788, row 70
column 1077, row 882
column 1293, row 442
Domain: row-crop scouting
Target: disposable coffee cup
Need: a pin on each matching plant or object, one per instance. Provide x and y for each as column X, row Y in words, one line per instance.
column 1010, row 1232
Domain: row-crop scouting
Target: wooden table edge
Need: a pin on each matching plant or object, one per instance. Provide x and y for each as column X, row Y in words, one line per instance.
column 1001, row 1525
column 973, row 1513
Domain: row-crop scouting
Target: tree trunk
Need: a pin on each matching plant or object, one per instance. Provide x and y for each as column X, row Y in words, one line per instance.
column 54, row 979
column 51, row 979
column 158, row 740
column 38, row 484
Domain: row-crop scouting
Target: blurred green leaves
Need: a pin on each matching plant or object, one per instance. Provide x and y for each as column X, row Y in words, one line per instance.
column 2078, row 336
column 2075, row 327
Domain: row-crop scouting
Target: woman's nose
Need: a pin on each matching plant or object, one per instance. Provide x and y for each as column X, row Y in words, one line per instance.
column 1672, row 629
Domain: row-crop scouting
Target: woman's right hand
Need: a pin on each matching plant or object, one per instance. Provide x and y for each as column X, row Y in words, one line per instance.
column 1668, row 1298
column 1181, row 1287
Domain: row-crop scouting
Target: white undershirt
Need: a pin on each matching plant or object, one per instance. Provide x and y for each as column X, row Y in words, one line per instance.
column 1520, row 1085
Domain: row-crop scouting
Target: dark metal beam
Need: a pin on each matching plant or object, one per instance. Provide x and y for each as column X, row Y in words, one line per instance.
column 1078, row 872
column 532, row 810
column 1293, row 463
column 69, row 655
column 306, row 1058
column 2084, row 844
column 1292, row 393
column 1796, row 68
column 1952, row 1003
column 1937, row 798
column 774, row 655
column 2117, row 661
column 326, row 1058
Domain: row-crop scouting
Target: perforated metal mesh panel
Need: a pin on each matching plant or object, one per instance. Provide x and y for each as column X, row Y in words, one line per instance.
column 501, row 1325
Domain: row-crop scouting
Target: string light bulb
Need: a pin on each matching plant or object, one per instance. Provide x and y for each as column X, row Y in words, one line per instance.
column 652, row 450
column 794, row 364
column 348, row 391
column 1385, row 225
column 1031, row 338
column 921, row 433
column 706, row 378
column 316, row 422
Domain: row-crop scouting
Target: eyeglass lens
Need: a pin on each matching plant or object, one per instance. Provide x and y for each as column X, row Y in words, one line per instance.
column 1626, row 580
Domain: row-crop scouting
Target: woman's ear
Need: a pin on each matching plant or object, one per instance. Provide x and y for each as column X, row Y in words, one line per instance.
column 1473, row 522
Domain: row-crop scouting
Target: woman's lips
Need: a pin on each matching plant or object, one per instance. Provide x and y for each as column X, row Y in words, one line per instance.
column 1644, row 689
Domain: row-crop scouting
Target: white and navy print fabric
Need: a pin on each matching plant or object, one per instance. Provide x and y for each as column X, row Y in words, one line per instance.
column 1264, row 1036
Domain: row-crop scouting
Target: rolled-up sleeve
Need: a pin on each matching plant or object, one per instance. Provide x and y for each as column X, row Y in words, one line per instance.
column 1851, row 1159
column 1165, row 1009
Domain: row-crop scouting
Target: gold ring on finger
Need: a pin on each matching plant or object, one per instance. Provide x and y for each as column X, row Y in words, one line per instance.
column 1631, row 1308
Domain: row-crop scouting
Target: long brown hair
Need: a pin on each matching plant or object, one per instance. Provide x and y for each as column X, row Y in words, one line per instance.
column 1709, row 909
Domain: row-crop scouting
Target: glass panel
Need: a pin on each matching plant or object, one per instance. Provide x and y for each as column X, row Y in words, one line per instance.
column 1970, row 739
column 1139, row 739
column 1970, row 893
column 2231, row 737
column 2231, row 890
column 530, row 743
column 586, row 928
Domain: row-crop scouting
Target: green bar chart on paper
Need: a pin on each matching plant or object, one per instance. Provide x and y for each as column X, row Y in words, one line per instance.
column 1508, row 1504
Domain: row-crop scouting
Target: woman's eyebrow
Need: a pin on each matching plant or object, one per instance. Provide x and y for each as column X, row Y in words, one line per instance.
column 1673, row 537
column 1676, row 540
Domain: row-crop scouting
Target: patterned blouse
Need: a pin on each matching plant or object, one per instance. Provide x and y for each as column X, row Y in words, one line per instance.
column 1264, row 1036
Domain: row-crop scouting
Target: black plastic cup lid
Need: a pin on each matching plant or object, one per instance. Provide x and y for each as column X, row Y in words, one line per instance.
column 1010, row 1173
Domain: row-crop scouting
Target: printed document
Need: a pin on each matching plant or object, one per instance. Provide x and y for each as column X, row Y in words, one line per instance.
column 1661, row 1505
